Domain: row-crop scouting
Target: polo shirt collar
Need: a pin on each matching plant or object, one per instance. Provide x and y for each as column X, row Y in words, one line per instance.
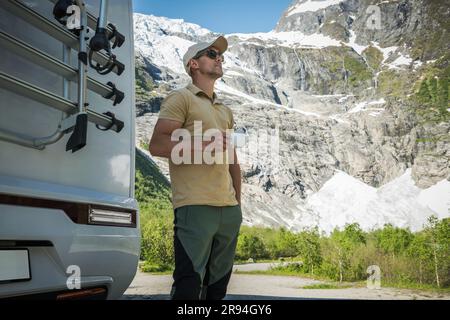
column 196, row 91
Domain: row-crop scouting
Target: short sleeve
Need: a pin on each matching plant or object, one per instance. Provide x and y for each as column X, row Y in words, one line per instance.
column 231, row 119
column 174, row 107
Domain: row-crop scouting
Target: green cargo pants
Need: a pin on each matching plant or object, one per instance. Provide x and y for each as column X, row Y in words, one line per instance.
column 205, row 239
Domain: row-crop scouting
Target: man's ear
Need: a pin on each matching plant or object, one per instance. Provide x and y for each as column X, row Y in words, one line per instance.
column 193, row 64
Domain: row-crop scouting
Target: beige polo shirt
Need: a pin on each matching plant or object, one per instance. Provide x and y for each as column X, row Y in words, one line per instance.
column 199, row 184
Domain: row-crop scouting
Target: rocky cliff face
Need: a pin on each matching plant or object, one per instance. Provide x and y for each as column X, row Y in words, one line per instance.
column 343, row 98
column 412, row 23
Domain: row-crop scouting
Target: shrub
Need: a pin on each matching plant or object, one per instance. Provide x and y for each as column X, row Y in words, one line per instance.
column 250, row 246
column 157, row 242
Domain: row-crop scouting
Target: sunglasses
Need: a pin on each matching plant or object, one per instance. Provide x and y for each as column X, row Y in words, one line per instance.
column 210, row 53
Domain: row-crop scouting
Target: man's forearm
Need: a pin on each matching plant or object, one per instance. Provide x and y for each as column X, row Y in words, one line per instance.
column 163, row 147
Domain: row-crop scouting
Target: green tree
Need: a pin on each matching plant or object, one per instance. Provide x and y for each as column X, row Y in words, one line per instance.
column 442, row 94
column 250, row 246
column 345, row 242
column 309, row 247
column 432, row 88
column 286, row 244
column 393, row 240
column 438, row 236
column 424, row 94
column 420, row 253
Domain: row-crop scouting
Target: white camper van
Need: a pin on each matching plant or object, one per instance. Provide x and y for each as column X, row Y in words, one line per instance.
column 69, row 225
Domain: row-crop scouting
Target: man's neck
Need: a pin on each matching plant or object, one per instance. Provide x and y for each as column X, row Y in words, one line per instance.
column 206, row 85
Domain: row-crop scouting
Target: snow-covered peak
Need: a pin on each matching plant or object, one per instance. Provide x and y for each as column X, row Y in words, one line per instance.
column 164, row 41
column 165, row 26
column 344, row 199
column 311, row 5
column 293, row 39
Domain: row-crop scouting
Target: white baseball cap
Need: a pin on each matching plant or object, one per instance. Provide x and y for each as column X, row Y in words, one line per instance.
column 220, row 43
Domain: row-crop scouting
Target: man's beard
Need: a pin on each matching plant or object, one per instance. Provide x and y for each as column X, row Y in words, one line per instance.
column 214, row 74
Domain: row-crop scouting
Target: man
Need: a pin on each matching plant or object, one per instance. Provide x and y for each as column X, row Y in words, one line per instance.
column 206, row 197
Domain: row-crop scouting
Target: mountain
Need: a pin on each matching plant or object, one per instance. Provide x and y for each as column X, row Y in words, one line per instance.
column 359, row 117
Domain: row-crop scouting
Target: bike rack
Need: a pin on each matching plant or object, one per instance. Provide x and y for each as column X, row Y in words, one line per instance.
column 113, row 34
column 43, row 96
column 54, row 30
column 54, row 65
column 75, row 115
column 100, row 42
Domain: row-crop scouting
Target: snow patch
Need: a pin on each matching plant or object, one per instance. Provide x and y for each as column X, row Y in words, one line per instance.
column 164, row 26
column 338, row 119
column 344, row 199
column 400, row 61
column 167, row 51
column 288, row 39
column 352, row 43
column 343, row 99
column 311, row 5
column 363, row 105
column 437, row 198
column 157, row 38
column 387, row 51
column 306, row 113
column 222, row 87
column 231, row 73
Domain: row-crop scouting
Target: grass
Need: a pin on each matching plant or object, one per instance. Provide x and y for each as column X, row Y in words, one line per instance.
column 238, row 262
column 435, row 139
column 159, row 273
column 281, row 272
column 373, row 56
column 394, row 83
column 337, row 285
column 154, row 269
column 415, row 286
column 358, row 71
column 328, row 286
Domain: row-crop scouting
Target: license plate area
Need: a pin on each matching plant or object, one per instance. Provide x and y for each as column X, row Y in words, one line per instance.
column 14, row 265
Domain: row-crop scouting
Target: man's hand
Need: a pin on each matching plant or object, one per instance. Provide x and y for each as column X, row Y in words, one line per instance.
column 222, row 142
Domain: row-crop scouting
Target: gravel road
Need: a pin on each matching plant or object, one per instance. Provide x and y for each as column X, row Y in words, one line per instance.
column 267, row 287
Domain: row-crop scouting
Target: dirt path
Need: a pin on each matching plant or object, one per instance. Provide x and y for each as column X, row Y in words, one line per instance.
column 266, row 287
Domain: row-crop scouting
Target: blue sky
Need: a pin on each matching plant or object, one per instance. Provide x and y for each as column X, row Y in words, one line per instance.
column 222, row 16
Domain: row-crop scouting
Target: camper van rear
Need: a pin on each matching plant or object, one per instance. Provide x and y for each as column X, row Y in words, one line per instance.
column 69, row 222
